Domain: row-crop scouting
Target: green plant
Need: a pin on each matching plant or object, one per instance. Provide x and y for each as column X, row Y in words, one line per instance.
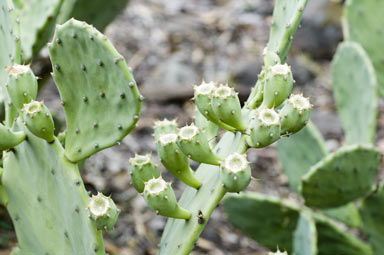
column 224, row 166
column 40, row 184
column 337, row 188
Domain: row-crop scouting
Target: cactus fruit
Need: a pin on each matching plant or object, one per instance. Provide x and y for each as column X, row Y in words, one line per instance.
column 286, row 18
column 342, row 176
column 354, row 89
column 263, row 128
column 270, row 58
column 142, row 170
column 39, row 120
column 164, row 127
column 194, row 143
column 160, row 197
column 90, row 127
column 21, row 85
column 227, row 108
column 175, row 160
column 9, row 139
column 305, row 236
column 235, row 172
column 297, row 153
column 103, row 212
column 363, row 24
column 278, row 84
column 203, row 95
column 294, row 114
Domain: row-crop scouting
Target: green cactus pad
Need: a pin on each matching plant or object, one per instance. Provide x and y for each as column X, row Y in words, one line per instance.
column 21, row 85
column 160, row 196
column 354, row 90
column 194, row 143
column 10, row 139
column 100, row 97
column 286, row 18
column 37, row 22
column 364, row 24
column 142, row 170
column 278, row 84
column 100, row 13
column 179, row 236
column 47, row 200
column 39, row 120
column 341, row 177
column 3, row 195
column 235, row 172
column 305, row 236
column 268, row 220
column 347, row 214
column 335, row 240
column 372, row 214
column 263, row 128
column 103, row 212
column 297, row 153
column 175, row 160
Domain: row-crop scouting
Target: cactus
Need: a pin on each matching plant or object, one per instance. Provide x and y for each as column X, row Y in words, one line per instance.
column 90, row 128
column 44, row 192
column 354, row 80
column 280, row 221
column 372, row 214
column 342, row 177
column 363, row 24
column 305, row 236
column 142, row 170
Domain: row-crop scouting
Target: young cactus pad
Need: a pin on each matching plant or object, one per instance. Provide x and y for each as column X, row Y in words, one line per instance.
column 142, row 170
column 105, row 105
column 160, row 197
column 364, row 25
column 47, row 205
column 103, row 212
column 341, row 177
column 354, row 89
column 235, row 172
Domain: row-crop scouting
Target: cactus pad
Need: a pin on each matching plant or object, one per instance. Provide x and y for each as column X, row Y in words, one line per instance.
column 364, row 24
column 297, row 153
column 305, row 236
column 354, row 90
column 100, row 97
column 268, row 220
column 286, row 18
column 372, row 214
column 341, row 177
column 48, row 212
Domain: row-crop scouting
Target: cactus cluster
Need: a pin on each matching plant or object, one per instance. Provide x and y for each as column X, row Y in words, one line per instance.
column 40, row 183
column 339, row 189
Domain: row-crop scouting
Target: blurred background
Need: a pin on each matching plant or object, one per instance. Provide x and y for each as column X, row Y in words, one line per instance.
column 172, row 45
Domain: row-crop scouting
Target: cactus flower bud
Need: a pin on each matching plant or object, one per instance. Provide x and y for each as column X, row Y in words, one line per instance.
column 160, row 196
column 277, row 85
column 39, row 120
column 9, row 139
column 235, row 172
column 227, row 108
column 175, row 160
column 194, row 143
column 21, row 85
column 103, row 212
column 142, row 170
column 264, row 128
column 295, row 114
column 203, row 99
column 164, row 127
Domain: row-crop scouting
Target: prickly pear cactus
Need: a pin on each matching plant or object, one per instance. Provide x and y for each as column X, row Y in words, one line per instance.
column 364, row 24
column 295, row 156
column 354, row 90
column 305, row 236
column 342, row 177
column 106, row 103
